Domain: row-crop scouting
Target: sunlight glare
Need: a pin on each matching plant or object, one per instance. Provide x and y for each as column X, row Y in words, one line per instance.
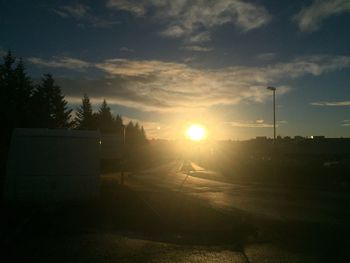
column 196, row 132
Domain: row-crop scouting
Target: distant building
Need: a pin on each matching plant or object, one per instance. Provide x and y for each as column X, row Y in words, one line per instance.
column 317, row 137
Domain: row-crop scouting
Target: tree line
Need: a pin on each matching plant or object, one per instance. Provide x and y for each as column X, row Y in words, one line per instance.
column 25, row 103
column 104, row 121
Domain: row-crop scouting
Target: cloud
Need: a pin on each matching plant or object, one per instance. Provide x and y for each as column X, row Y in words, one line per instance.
column 61, row 62
column 266, row 56
column 78, row 11
column 82, row 14
column 310, row 18
column 126, row 49
column 252, row 124
column 185, row 18
column 314, row 65
column 153, row 85
column 346, row 123
column 173, row 32
column 136, row 7
column 331, row 103
column 200, row 38
column 197, row 48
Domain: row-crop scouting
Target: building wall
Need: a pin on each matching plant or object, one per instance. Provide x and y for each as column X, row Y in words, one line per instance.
column 55, row 165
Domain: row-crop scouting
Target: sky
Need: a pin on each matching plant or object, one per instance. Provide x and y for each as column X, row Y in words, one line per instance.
column 170, row 63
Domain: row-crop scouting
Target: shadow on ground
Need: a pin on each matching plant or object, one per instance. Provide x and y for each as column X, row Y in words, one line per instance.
column 122, row 226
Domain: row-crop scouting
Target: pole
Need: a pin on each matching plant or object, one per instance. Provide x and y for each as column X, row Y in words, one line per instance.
column 123, row 159
column 274, row 111
column 274, row 114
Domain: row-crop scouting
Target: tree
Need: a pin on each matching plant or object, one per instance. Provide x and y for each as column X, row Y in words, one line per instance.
column 16, row 95
column 7, row 105
column 84, row 119
column 51, row 107
column 15, row 103
column 118, row 122
column 135, row 135
column 130, row 134
column 105, row 119
column 143, row 137
column 23, row 89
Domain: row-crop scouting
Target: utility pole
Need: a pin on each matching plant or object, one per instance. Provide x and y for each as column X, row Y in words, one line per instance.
column 123, row 156
column 274, row 111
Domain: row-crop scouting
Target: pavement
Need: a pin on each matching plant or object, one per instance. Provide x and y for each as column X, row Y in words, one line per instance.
column 292, row 224
column 171, row 214
column 282, row 202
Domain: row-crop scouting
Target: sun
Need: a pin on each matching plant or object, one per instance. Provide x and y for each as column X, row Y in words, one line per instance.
column 196, row 132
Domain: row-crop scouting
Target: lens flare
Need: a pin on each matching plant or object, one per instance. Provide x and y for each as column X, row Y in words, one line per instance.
column 196, row 132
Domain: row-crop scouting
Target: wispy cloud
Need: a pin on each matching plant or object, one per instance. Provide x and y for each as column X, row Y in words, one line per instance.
column 153, row 85
column 197, row 48
column 345, row 123
column 331, row 103
column 126, row 49
column 310, row 18
column 78, row 11
column 82, row 13
column 137, row 7
column 195, row 19
column 252, row 124
column 200, row 37
column 266, row 56
column 61, row 62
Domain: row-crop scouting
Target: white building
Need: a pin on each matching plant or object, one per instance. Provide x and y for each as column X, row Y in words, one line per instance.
column 53, row 165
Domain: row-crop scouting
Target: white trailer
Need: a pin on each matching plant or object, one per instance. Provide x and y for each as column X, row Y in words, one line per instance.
column 53, row 165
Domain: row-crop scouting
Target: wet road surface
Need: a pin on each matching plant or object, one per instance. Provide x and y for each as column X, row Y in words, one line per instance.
column 268, row 201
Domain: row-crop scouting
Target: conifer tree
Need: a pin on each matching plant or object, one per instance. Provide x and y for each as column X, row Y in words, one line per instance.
column 118, row 123
column 52, row 110
column 143, row 136
column 84, row 119
column 16, row 94
column 7, row 105
column 105, row 119
column 23, row 89
column 130, row 134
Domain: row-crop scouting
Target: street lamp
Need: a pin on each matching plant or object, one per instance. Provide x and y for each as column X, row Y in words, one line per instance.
column 274, row 111
column 123, row 155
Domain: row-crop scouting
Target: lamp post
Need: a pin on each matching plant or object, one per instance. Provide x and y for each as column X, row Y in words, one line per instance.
column 123, row 155
column 274, row 111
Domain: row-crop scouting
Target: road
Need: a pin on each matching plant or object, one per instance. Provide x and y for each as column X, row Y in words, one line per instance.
column 267, row 201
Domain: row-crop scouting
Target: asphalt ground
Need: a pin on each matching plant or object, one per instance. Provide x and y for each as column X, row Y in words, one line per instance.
column 131, row 225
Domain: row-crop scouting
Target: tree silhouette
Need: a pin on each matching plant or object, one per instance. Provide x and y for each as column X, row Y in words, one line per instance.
column 7, row 105
column 51, row 106
column 118, row 123
column 16, row 96
column 105, row 118
column 84, row 119
column 15, row 102
column 134, row 135
column 25, row 105
column 130, row 134
column 143, row 137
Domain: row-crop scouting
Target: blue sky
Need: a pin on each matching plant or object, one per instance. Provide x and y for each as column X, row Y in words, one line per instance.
column 169, row 63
